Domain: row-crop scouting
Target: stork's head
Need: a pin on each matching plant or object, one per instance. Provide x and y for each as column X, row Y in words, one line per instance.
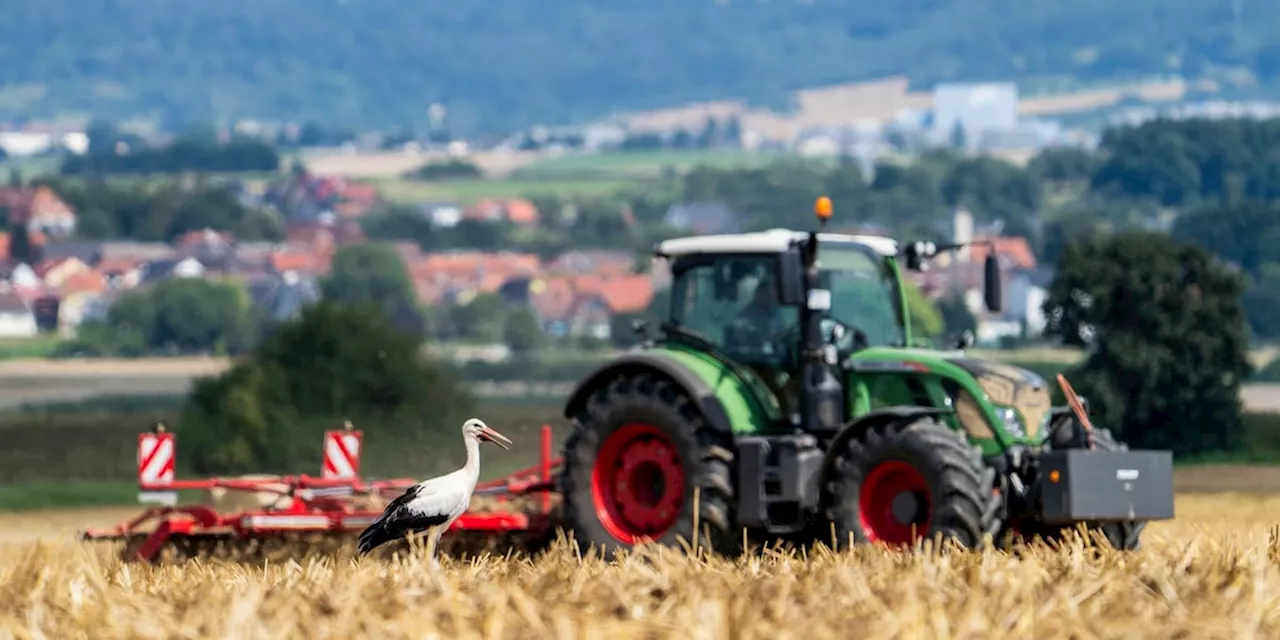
column 476, row 428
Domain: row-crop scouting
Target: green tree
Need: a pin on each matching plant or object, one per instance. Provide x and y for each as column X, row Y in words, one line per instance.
column 1188, row 162
column 446, row 170
column 956, row 317
column 331, row 362
column 1247, row 234
column 210, row 207
column 160, row 210
column 21, row 251
column 733, row 132
column 1262, row 302
column 483, row 318
column 992, row 189
column 1058, row 233
column 178, row 315
column 710, row 134
column 1065, row 164
column 373, row 272
column 1165, row 335
column 926, row 319
column 521, row 331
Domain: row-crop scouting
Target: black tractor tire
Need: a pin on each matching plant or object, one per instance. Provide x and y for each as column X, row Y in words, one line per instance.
column 912, row 456
column 595, row 515
column 1123, row 536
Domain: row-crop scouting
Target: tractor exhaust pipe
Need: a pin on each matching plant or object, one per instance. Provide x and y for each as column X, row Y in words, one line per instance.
column 821, row 407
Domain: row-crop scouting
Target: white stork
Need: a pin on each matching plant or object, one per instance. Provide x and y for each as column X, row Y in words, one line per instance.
column 432, row 505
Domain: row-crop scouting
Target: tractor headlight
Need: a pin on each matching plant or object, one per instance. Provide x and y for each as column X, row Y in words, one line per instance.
column 1012, row 422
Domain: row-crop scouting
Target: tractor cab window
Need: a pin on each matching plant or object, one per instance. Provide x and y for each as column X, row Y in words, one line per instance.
column 733, row 302
column 864, row 292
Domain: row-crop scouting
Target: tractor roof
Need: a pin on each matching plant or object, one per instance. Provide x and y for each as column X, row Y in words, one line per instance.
column 771, row 241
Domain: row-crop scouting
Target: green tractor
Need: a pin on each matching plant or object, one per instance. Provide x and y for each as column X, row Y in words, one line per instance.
column 786, row 388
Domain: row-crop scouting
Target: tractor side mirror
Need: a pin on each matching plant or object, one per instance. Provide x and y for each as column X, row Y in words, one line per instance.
column 914, row 254
column 791, row 279
column 991, row 283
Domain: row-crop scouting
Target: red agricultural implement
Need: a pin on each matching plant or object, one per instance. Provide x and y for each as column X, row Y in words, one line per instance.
column 254, row 512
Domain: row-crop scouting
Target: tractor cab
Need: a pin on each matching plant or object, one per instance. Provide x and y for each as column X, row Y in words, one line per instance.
column 743, row 293
column 751, row 297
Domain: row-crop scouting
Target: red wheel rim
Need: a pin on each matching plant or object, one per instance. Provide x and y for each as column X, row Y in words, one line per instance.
column 894, row 505
column 637, row 483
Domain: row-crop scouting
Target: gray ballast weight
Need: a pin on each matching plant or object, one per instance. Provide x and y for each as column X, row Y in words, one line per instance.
column 1106, row 486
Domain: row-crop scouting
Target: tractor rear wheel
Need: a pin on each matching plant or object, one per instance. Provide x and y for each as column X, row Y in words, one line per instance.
column 637, row 452
column 910, row 480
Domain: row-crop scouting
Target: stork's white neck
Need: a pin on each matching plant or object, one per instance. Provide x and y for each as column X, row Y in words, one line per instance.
column 472, row 468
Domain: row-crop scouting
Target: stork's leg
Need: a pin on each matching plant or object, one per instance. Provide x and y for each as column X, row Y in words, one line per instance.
column 433, row 542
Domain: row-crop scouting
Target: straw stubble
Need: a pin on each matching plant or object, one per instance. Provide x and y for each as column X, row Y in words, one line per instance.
column 1210, row 574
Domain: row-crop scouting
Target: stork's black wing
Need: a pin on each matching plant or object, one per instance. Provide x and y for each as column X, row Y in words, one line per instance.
column 400, row 517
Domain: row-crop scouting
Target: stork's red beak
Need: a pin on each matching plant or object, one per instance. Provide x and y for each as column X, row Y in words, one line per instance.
column 495, row 437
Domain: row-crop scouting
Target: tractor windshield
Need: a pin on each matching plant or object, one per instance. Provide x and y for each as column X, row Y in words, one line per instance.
column 864, row 292
column 733, row 302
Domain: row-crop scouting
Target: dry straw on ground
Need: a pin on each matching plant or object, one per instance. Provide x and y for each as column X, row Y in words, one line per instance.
column 1210, row 574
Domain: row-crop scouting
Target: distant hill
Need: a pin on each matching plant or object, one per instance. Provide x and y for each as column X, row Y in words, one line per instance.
column 513, row 63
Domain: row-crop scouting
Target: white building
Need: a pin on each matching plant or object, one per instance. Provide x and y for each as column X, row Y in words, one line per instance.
column 977, row 108
column 16, row 318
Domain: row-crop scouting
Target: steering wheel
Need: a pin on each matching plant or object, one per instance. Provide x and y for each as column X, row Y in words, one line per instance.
column 843, row 337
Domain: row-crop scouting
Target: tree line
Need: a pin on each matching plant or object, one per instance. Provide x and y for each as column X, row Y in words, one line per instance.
column 160, row 210
column 197, row 150
column 489, row 67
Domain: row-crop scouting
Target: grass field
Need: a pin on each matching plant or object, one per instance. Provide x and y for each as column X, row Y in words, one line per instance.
column 566, row 176
column 29, row 167
column 642, row 163
column 1211, row 573
column 471, row 191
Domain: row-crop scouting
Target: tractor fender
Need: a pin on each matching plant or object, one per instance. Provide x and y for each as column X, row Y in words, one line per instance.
column 697, row 389
column 859, row 425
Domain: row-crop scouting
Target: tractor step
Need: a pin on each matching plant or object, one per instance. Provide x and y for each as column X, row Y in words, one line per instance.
column 1106, row 486
column 778, row 481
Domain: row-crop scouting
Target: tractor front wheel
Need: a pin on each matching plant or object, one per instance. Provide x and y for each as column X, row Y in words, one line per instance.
column 909, row 480
column 637, row 452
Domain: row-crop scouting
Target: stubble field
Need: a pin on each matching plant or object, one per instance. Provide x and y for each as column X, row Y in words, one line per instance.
column 1211, row 573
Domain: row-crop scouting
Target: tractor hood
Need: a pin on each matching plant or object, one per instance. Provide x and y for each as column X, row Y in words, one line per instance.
column 1009, row 386
column 1004, row 386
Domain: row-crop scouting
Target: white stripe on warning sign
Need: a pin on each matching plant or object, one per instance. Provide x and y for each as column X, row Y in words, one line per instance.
column 155, row 460
column 337, row 464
